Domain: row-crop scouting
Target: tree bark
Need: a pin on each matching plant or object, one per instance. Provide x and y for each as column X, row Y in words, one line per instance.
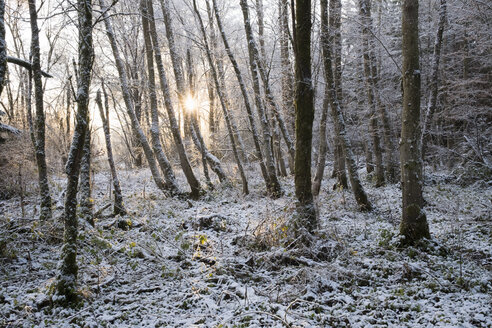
column 286, row 67
column 3, row 47
column 67, row 279
column 306, row 218
column 183, row 158
column 434, row 80
column 414, row 222
column 118, row 208
column 221, row 99
column 322, row 146
column 268, row 171
column 130, row 108
column 337, row 116
column 44, row 189
column 86, row 203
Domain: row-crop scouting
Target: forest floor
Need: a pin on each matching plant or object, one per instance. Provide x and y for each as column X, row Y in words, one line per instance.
column 220, row 261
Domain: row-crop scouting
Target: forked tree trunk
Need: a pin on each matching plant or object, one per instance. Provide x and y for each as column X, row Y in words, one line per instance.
column 337, row 116
column 154, row 46
column 129, row 102
column 118, row 208
column 268, row 171
column 66, row 285
column 414, row 222
column 39, row 145
column 305, row 218
column 221, row 99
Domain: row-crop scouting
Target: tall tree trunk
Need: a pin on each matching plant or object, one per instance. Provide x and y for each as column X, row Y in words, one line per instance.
column 118, row 208
column 434, row 80
column 335, row 39
column 273, row 186
column 130, row 108
column 322, row 146
column 86, row 203
column 306, row 218
column 371, row 81
column 44, row 189
column 164, row 164
column 222, row 100
column 268, row 170
column 67, row 278
column 286, row 67
column 3, row 47
column 337, row 116
column 185, row 163
column 414, row 222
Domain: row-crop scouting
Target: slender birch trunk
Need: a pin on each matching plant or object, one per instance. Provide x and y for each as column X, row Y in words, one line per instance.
column 323, row 145
column 154, row 47
column 39, row 145
column 337, row 116
column 118, row 208
column 268, row 171
column 130, row 108
column 221, row 99
column 434, row 80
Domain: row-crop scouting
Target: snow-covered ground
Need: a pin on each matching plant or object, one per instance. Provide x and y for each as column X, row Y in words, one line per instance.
column 219, row 261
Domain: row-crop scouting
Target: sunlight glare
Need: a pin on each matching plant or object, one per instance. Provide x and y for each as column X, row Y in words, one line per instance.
column 191, row 103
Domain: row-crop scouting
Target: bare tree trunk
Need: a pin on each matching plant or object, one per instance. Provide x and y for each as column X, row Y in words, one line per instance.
column 185, row 164
column 67, row 278
column 3, row 47
column 86, row 203
column 323, row 145
column 129, row 102
column 287, row 76
column 164, row 164
column 414, row 222
column 305, row 218
column 44, row 189
column 222, row 101
column 335, row 39
column 268, row 171
column 371, row 78
column 118, row 208
column 197, row 137
column 337, row 116
column 434, row 81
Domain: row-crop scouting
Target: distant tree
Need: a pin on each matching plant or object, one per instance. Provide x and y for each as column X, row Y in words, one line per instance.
column 414, row 222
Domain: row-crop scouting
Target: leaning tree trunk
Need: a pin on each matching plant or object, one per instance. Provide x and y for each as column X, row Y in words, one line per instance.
column 337, row 116
column 67, row 279
column 154, row 129
column 414, row 222
column 183, row 158
column 273, row 186
column 118, row 208
column 39, row 145
column 221, row 99
column 268, row 171
column 305, row 218
column 434, row 81
column 130, row 108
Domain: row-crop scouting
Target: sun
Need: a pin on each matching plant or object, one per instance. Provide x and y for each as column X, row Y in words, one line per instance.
column 191, row 104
